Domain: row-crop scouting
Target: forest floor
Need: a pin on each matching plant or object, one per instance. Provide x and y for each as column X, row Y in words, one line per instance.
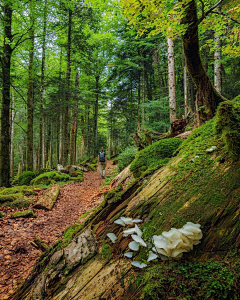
column 17, row 255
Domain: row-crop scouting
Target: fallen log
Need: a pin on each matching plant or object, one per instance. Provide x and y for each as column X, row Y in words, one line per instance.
column 39, row 244
column 47, row 200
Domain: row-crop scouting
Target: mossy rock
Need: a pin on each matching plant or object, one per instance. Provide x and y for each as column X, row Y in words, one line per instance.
column 77, row 179
column 10, row 198
column 26, row 178
column 24, row 214
column 1, row 214
column 20, row 203
column 18, row 189
column 154, row 156
column 50, row 177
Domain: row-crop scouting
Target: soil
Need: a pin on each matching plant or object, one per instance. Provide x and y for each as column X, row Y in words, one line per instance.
column 17, row 255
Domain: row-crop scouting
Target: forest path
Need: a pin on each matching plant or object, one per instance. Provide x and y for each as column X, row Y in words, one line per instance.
column 17, row 255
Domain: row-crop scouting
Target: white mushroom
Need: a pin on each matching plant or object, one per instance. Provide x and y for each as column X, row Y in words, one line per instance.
column 128, row 254
column 139, row 240
column 112, row 237
column 129, row 231
column 127, row 221
column 152, row 256
column 138, row 264
column 138, row 231
column 134, row 246
column 119, row 222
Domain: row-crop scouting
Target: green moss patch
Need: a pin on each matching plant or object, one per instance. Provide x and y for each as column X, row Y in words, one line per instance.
column 50, row 177
column 20, row 203
column 154, row 156
column 25, row 178
column 191, row 280
column 25, row 190
column 1, row 214
column 77, row 179
column 24, row 214
column 10, row 198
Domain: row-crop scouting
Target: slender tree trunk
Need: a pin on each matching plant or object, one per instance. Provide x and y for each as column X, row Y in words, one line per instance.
column 139, row 102
column 12, row 137
column 217, row 61
column 42, row 90
column 30, row 94
column 171, row 80
column 5, row 120
column 60, row 141
column 82, row 147
column 96, row 113
column 185, row 87
column 143, row 95
column 68, row 76
column 207, row 98
column 73, row 139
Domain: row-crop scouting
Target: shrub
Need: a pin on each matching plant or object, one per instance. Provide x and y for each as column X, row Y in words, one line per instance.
column 154, row 156
column 126, row 157
column 227, row 125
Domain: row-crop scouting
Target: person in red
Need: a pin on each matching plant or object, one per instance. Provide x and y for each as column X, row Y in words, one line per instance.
column 102, row 161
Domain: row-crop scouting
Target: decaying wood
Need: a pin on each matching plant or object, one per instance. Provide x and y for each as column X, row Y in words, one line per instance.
column 39, row 244
column 178, row 126
column 146, row 137
column 47, row 200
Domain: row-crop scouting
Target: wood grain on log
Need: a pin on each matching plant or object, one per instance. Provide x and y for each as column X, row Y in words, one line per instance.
column 47, row 200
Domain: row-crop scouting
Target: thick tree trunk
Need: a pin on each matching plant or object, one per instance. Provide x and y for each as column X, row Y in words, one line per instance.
column 12, row 137
column 5, row 120
column 171, row 80
column 30, row 95
column 42, row 90
column 68, row 75
column 73, row 139
column 217, row 61
column 207, row 98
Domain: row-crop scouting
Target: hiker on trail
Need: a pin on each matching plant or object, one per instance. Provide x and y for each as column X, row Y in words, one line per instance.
column 102, row 162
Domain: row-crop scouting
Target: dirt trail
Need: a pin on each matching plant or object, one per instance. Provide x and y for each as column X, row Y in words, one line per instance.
column 17, row 256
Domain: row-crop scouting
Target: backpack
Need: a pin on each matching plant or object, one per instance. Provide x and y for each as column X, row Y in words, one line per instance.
column 102, row 156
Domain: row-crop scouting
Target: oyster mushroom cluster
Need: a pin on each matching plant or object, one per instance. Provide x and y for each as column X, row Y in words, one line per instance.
column 174, row 242
column 170, row 244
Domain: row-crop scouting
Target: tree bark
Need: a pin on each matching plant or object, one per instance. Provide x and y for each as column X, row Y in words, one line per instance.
column 5, row 120
column 12, row 137
column 97, row 77
column 42, row 90
column 73, row 139
column 217, row 61
column 68, row 75
column 30, row 94
column 171, row 80
column 207, row 98
column 47, row 200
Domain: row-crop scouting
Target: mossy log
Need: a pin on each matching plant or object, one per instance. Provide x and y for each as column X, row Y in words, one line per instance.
column 47, row 200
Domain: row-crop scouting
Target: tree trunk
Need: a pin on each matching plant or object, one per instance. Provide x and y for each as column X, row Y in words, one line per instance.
column 5, row 120
column 143, row 95
column 217, row 61
column 73, row 139
column 171, row 80
column 30, row 94
column 12, row 137
column 42, row 89
column 96, row 113
column 207, row 98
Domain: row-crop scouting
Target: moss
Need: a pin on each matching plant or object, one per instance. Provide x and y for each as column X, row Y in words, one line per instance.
column 1, row 214
column 154, row 156
column 106, row 251
column 77, row 179
column 227, row 126
column 24, row 214
column 20, row 203
column 113, row 195
column 92, row 167
column 195, row 280
column 10, row 198
column 71, row 231
column 18, row 189
column 25, row 178
column 50, row 177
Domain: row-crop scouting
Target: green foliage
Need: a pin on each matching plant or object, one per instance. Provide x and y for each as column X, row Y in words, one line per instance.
column 110, row 176
column 154, row 156
column 24, row 214
column 1, row 214
column 25, row 178
column 10, row 197
column 191, row 280
column 227, row 126
column 126, row 157
column 92, row 167
column 106, row 251
column 50, row 177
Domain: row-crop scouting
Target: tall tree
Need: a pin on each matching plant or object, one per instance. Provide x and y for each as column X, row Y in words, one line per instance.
column 5, row 117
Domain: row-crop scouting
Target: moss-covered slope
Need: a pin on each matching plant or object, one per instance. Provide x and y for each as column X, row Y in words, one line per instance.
column 197, row 185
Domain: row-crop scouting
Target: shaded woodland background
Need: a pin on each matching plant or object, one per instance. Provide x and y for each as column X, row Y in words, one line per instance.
column 82, row 78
